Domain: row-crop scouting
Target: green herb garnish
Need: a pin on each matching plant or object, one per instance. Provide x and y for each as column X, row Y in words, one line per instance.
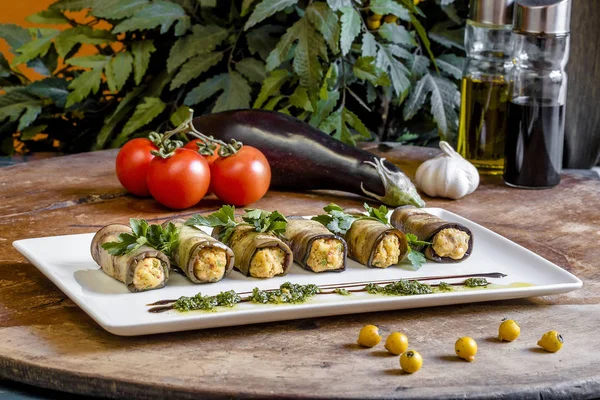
column 445, row 287
column 162, row 239
column 476, row 282
column 287, row 293
column 401, row 288
column 416, row 258
column 342, row 291
column 199, row 302
column 336, row 220
column 379, row 214
column 264, row 221
column 224, row 218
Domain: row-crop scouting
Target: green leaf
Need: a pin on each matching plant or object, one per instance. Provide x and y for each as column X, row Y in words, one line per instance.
column 384, row 7
column 86, row 83
column 141, row 50
column 96, row 62
column 271, row 86
column 118, row 71
column 395, row 69
column 51, row 16
column 419, row 66
column 451, row 65
column 252, row 69
column 300, row 99
column 17, row 105
column 414, row 242
column 37, row 47
column 30, row 132
column 397, row 34
column 236, row 92
column 306, row 60
column 73, row 5
column 125, row 106
column 339, row 124
column 117, row 9
column 444, row 96
column 336, row 220
column 14, row 35
column 265, row 221
column 246, row 4
column 380, row 214
column 284, row 46
column 272, row 103
column 326, row 22
column 448, row 35
column 365, row 69
column 194, row 68
column 55, row 89
column 208, row 3
column 145, row 112
column 369, row 45
column 417, row 259
column 81, row 34
column 424, row 39
column 202, row 40
column 5, row 70
column 351, row 23
column 159, row 13
column 324, row 108
column 339, row 4
column 225, row 218
column 265, row 9
column 180, row 115
column 261, row 40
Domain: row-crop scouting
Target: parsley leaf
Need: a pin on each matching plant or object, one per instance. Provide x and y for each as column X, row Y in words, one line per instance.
column 380, row 214
column 416, row 258
column 336, row 220
column 155, row 236
column 225, row 218
column 414, row 242
column 264, row 221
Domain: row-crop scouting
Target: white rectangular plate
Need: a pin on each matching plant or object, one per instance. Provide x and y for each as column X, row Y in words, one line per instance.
column 67, row 262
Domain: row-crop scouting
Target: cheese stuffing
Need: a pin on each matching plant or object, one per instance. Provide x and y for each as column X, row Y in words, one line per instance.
column 267, row 263
column 387, row 252
column 325, row 255
column 210, row 264
column 452, row 243
column 148, row 274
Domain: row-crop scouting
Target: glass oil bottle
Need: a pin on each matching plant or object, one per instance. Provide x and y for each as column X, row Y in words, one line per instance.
column 486, row 92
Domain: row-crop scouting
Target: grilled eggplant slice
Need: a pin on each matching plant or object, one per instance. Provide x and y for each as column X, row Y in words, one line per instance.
column 450, row 242
column 314, row 247
column 143, row 269
column 202, row 258
column 375, row 244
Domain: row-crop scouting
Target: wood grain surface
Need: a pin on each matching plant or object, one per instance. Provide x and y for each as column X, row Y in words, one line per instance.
column 48, row 341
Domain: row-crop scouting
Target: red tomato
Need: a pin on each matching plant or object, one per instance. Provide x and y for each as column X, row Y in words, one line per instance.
column 193, row 146
column 179, row 181
column 132, row 165
column 242, row 178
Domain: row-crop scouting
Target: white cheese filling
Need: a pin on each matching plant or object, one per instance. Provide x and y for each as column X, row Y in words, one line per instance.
column 210, row 264
column 267, row 263
column 326, row 254
column 452, row 243
column 148, row 274
column 387, row 252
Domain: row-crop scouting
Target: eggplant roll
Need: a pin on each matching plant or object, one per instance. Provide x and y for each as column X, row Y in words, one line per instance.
column 450, row 242
column 257, row 254
column 314, row 247
column 143, row 269
column 375, row 244
column 201, row 257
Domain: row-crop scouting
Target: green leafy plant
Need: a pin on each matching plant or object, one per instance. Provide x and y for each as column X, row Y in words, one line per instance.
column 315, row 60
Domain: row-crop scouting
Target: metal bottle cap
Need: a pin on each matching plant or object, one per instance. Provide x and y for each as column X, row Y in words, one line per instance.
column 543, row 16
column 493, row 12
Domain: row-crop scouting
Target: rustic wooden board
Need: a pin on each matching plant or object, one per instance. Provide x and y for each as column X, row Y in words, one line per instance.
column 49, row 342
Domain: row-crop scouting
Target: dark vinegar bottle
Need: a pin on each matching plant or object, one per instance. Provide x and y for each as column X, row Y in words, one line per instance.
column 534, row 143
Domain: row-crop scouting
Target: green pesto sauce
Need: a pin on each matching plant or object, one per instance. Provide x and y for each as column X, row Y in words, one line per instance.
column 445, row 287
column 476, row 282
column 287, row 293
column 199, row 302
column 342, row 292
column 401, row 288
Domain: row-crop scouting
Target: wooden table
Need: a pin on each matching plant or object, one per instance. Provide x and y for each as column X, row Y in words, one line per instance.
column 48, row 341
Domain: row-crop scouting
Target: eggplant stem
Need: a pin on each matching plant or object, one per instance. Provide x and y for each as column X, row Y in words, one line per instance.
column 398, row 188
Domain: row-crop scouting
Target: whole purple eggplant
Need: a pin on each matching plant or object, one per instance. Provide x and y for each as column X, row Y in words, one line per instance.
column 304, row 158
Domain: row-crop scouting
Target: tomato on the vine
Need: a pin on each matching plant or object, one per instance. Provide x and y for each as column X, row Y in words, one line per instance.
column 242, row 178
column 179, row 181
column 193, row 145
column 132, row 165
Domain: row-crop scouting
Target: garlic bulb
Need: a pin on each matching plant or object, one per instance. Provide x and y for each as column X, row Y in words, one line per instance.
column 447, row 175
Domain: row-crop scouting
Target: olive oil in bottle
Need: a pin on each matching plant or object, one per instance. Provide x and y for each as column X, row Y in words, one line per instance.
column 483, row 122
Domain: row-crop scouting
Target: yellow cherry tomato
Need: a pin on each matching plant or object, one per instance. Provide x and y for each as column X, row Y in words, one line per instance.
column 390, row 19
column 411, row 361
column 375, row 17
column 509, row 330
column 373, row 24
column 396, row 343
column 466, row 348
column 369, row 336
column 552, row 341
